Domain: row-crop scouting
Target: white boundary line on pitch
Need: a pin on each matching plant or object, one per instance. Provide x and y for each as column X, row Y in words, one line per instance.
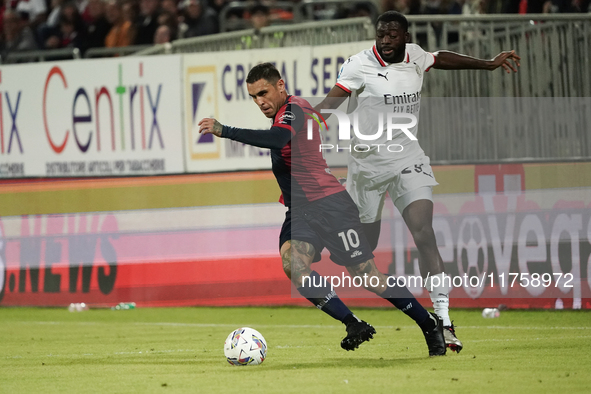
column 214, row 325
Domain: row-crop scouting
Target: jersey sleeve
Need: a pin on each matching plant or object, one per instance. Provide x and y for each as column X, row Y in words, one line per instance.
column 273, row 138
column 290, row 117
column 350, row 77
column 288, row 121
column 425, row 60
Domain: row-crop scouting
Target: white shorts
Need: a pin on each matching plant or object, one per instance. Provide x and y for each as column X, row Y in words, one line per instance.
column 368, row 189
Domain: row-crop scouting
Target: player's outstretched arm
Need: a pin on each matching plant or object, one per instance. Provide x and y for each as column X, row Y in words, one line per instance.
column 447, row 60
column 274, row 138
column 333, row 99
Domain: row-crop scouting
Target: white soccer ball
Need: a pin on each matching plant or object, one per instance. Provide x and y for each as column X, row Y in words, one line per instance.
column 245, row 346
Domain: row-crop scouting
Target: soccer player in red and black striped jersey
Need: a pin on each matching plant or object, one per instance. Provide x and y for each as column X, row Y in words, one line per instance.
column 320, row 213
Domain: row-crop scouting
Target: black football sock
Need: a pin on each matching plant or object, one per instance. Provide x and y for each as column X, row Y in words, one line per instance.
column 403, row 299
column 319, row 293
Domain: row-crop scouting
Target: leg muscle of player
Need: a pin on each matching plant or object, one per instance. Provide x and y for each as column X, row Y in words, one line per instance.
column 297, row 257
column 418, row 216
column 368, row 269
column 400, row 297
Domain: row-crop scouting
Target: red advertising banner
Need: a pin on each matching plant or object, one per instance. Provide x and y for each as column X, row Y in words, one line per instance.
column 522, row 248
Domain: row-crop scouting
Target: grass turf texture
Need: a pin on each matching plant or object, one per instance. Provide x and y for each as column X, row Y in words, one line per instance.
column 181, row 350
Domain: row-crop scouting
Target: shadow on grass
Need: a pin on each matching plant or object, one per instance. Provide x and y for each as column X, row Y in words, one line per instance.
column 347, row 363
column 217, row 363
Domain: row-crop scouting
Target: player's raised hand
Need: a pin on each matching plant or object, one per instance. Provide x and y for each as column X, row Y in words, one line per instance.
column 508, row 60
column 210, row 126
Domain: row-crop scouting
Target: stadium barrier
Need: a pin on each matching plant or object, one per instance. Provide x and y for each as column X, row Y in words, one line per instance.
column 555, row 51
column 116, row 51
column 302, row 34
column 41, row 55
column 518, row 235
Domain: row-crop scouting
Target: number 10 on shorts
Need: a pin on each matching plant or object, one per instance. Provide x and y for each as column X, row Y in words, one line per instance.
column 351, row 240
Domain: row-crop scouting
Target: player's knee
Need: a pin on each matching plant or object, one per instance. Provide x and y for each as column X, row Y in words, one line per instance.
column 424, row 236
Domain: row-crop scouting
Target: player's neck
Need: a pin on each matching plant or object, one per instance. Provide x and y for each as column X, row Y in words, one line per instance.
column 399, row 58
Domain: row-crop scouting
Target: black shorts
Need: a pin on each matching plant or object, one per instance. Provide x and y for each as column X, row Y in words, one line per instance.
column 332, row 223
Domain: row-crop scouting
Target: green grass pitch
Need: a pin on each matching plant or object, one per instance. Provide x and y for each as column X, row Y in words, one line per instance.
column 180, row 350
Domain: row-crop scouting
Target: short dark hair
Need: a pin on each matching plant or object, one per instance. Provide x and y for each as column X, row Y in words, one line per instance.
column 393, row 16
column 266, row 71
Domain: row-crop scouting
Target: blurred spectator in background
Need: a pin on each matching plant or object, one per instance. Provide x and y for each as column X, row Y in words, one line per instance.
column 2, row 10
column 16, row 35
column 162, row 35
column 407, row 7
column 260, row 16
column 359, row 10
column 122, row 33
column 169, row 20
column 171, row 7
column 97, row 24
column 147, row 22
column 435, row 7
column 535, row 6
column 71, row 31
column 458, row 7
column 547, row 6
column 131, row 11
column 53, row 18
column 200, row 19
column 35, row 11
column 570, row 6
column 278, row 12
column 217, row 5
column 510, row 6
column 467, row 7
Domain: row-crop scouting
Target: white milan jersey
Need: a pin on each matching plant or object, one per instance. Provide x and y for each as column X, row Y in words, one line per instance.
column 382, row 89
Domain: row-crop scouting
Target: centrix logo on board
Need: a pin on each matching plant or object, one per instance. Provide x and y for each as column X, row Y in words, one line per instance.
column 89, row 108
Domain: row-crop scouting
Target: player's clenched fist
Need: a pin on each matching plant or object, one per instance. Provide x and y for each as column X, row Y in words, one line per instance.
column 210, row 126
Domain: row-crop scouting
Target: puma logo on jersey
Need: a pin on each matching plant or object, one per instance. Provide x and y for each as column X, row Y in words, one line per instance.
column 382, row 75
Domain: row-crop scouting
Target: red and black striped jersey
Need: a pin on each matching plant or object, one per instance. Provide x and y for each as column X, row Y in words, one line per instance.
column 297, row 162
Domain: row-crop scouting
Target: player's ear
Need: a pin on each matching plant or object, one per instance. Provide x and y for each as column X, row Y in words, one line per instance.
column 280, row 85
column 407, row 37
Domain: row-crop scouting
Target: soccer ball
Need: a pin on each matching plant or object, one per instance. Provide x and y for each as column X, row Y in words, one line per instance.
column 245, row 346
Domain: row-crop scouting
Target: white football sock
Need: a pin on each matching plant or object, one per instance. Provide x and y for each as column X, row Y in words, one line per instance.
column 438, row 289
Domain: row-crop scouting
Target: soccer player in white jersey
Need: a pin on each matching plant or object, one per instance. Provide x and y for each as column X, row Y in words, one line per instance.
column 389, row 77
